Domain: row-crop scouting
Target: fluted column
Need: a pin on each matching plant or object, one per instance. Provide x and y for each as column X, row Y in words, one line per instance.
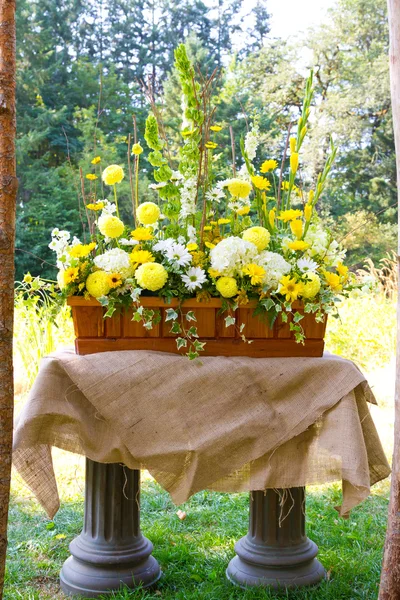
column 111, row 549
column 276, row 551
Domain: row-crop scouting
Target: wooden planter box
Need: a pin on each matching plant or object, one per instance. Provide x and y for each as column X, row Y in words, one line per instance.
column 94, row 333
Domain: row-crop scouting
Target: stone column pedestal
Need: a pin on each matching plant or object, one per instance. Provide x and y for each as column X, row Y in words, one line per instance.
column 276, row 551
column 111, row 550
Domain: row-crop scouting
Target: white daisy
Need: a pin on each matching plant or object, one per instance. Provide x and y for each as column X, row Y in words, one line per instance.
column 126, row 242
column 178, row 254
column 194, row 278
column 163, row 245
column 307, row 264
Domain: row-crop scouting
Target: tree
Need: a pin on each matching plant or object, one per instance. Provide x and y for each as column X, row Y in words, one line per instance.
column 8, row 193
column 390, row 578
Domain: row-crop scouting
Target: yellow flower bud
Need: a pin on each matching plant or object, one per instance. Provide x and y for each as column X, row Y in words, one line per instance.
column 311, row 195
column 294, row 162
column 303, row 131
column 297, row 228
column 271, row 217
column 308, row 212
column 292, row 144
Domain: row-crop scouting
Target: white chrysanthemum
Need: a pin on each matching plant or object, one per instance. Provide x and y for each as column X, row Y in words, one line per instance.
column 231, row 255
column 188, row 197
column 164, row 245
column 251, row 142
column 275, row 268
column 114, row 261
column 194, row 278
column 307, row 264
column 179, row 254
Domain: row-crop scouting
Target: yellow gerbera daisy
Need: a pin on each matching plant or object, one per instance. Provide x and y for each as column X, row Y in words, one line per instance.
column 289, row 288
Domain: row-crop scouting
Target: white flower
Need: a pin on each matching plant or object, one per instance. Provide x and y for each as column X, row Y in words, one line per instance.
column 307, row 264
column 157, row 186
column 126, row 242
column 251, row 142
column 275, row 268
column 163, row 245
column 238, row 203
column 188, row 197
column 231, row 255
column 215, row 195
column 114, row 261
column 194, row 278
column 179, row 254
column 191, row 231
column 176, row 176
column 109, row 207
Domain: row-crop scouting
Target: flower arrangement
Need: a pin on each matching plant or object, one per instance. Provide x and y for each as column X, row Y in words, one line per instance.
column 251, row 234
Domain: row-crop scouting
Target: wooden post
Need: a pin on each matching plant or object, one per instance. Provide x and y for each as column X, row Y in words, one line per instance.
column 390, row 577
column 8, row 193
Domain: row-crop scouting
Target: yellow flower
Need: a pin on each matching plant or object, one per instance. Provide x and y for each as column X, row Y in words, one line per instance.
column 271, row 217
column 298, row 245
column 110, row 226
column 215, row 127
column 343, row 271
column 243, row 211
column 198, row 259
column 137, row 149
column 192, row 246
column 333, row 281
column 91, row 176
column 292, row 144
column 211, row 145
column 113, row 174
column 142, row 234
column 297, row 228
column 140, row 257
column 151, row 276
column 289, row 215
column 114, row 280
column 260, row 182
column 285, row 187
column 209, row 245
column 227, row 287
column 213, row 273
column 268, row 165
column 259, row 236
column 289, row 288
column 188, row 132
column 255, row 272
column 71, row 274
column 311, row 195
column 148, row 213
column 28, row 278
column 242, row 298
column 96, row 206
column 223, row 221
column 308, row 211
column 239, row 188
column 82, row 250
column 97, row 284
column 312, row 287
column 294, row 161
column 95, row 160
column 214, row 222
column 207, row 228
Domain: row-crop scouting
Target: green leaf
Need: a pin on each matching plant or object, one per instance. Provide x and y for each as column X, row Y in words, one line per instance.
column 176, row 328
column 137, row 316
column 297, row 317
column 104, row 301
column 229, row 321
column 284, row 317
column 171, row 314
column 192, row 332
column 192, row 355
column 50, row 526
column 198, row 346
column 242, row 327
column 110, row 311
column 190, row 316
column 181, row 343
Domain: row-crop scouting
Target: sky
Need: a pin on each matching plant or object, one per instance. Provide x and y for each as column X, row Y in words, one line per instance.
column 289, row 17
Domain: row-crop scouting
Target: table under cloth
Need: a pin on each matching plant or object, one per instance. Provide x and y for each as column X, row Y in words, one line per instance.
column 226, row 424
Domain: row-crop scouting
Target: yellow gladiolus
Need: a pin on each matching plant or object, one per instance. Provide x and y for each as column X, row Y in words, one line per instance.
column 297, row 228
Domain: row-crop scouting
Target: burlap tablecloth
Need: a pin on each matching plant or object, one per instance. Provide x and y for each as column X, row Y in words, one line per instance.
column 227, row 424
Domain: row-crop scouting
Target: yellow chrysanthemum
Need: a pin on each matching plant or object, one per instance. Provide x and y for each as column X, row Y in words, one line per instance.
column 343, row 271
column 213, row 273
column 268, row 165
column 96, row 206
column 95, row 160
column 271, row 217
column 91, row 176
column 223, row 221
column 255, row 272
column 311, row 288
column 333, row 280
column 260, row 182
column 110, row 226
column 243, row 211
column 289, row 288
column 308, row 211
column 142, row 234
column 137, row 149
column 97, row 284
column 294, row 161
column 151, row 276
column 71, row 274
column 297, row 228
column 239, row 188
column 211, row 145
column 290, row 215
column 227, row 287
column 259, row 236
column 148, row 213
column 114, row 280
column 209, row 245
column 28, row 278
column 298, row 245
column 82, row 250
column 140, row 257
column 113, row 174
column 192, row 246
column 215, row 127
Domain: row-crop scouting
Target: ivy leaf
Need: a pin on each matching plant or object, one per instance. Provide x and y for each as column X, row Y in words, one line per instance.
column 198, row 346
column 181, row 343
column 192, row 332
column 171, row 314
column 229, row 321
column 137, row 316
column 176, row 328
column 190, row 316
column 110, row 311
column 104, row 301
column 284, row 317
column 148, row 325
column 242, row 327
column 268, row 303
column 192, row 355
column 297, row 317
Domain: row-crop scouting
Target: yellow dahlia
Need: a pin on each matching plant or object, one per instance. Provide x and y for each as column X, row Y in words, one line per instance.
column 142, row 234
column 260, row 182
column 312, row 287
column 110, row 226
column 239, row 188
column 113, row 174
column 97, row 284
column 298, row 245
column 268, row 165
column 148, row 213
column 255, row 272
column 259, row 236
column 151, row 276
column 82, row 250
column 192, row 246
column 227, row 286
column 333, row 281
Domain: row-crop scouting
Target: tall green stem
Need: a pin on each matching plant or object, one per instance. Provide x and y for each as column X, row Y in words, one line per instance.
column 116, row 199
